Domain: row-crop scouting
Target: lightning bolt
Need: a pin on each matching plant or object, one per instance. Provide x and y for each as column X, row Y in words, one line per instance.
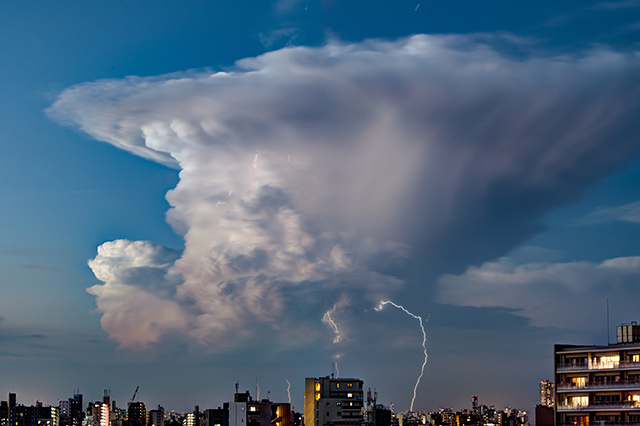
column 335, row 327
column 424, row 343
column 289, row 391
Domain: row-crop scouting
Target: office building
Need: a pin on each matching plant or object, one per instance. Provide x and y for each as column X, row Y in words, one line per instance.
column 599, row 384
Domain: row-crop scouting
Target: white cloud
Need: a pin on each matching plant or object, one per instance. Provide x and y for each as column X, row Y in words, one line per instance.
column 626, row 213
column 568, row 295
column 136, row 299
column 308, row 174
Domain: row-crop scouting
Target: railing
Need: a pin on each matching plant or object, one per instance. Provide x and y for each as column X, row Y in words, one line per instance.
column 609, row 365
column 600, row 385
column 598, row 423
column 602, row 406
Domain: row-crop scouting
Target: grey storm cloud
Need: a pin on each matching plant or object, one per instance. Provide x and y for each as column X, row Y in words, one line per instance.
column 312, row 177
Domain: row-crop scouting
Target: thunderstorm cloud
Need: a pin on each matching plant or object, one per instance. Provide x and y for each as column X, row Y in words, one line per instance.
column 312, row 178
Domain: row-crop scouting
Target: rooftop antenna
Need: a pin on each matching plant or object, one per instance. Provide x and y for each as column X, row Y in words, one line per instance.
column 608, row 340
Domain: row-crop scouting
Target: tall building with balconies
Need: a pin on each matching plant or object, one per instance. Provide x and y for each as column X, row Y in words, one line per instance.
column 599, row 384
column 333, row 402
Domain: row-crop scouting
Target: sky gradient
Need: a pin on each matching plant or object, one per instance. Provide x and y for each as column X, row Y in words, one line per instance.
column 203, row 192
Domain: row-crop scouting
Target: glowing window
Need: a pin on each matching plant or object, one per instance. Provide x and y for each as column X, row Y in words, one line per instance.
column 635, row 358
column 349, row 395
column 579, row 381
column 317, row 386
column 349, row 385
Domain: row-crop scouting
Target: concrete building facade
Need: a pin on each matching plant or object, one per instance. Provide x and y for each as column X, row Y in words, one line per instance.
column 599, row 385
column 333, row 402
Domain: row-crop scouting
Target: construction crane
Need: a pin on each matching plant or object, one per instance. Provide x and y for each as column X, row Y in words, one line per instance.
column 133, row 398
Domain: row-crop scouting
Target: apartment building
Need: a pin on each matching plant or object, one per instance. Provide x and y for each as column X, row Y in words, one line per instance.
column 599, row 385
column 331, row 401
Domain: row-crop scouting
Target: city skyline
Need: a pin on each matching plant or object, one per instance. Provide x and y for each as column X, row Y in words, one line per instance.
column 201, row 193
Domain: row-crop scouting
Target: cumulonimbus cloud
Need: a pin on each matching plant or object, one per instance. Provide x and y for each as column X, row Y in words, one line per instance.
column 309, row 174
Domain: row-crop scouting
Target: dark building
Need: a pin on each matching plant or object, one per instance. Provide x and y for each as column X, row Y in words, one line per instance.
column 136, row 414
column 216, row 417
column 544, row 416
column 4, row 413
column 74, row 415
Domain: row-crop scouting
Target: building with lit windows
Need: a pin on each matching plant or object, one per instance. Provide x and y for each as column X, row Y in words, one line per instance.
column 331, row 401
column 546, row 392
column 599, row 385
column 100, row 413
column 136, row 414
column 244, row 411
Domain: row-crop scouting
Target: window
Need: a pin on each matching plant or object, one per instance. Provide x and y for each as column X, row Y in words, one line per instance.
column 579, row 382
column 349, row 395
column 349, row 385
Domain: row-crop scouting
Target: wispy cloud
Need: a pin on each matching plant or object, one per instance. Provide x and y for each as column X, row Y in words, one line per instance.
column 626, row 213
column 616, row 5
column 562, row 295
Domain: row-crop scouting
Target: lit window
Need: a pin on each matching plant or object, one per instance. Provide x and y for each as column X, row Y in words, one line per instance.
column 349, row 395
column 349, row 385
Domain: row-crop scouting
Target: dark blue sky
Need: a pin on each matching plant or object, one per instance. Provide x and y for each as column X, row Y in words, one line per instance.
column 485, row 176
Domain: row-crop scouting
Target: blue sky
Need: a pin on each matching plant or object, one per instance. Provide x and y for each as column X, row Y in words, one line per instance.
column 476, row 162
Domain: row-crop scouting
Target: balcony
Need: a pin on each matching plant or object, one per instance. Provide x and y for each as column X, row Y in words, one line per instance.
column 599, row 423
column 610, row 365
column 622, row 384
column 612, row 406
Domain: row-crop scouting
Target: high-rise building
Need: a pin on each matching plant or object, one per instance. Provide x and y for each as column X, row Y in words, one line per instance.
column 156, row 417
column 12, row 403
column 332, row 401
column 76, row 413
column 4, row 413
column 599, row 384
column 137, row 414
column 546, row 393
column 100, row 413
